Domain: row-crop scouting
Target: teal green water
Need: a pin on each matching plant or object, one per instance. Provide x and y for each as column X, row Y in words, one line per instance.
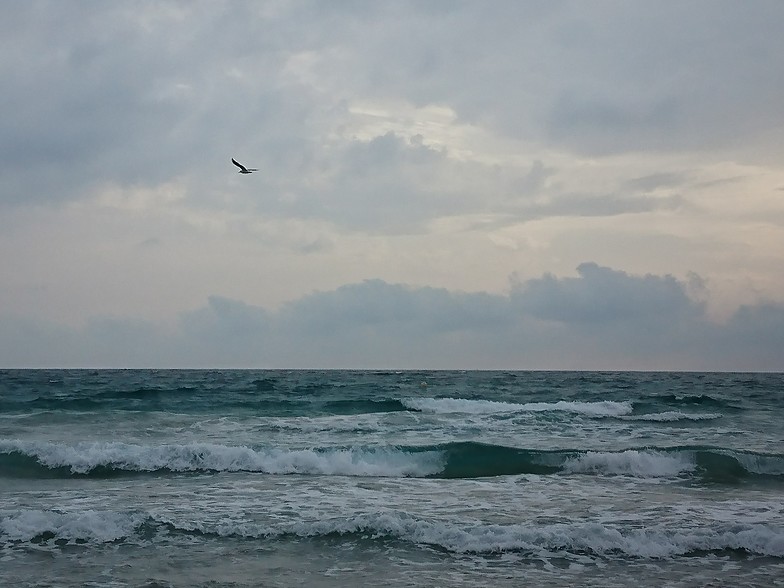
column 286, row 478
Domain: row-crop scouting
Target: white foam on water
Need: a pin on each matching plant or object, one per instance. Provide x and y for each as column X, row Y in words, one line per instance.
column 672, row 416
column 90, row 525
column 329, row 424
column 545, row 540
column 82, row 458
column 640, row 464
column 93, row 526
column 594, row 538
column 604, row 408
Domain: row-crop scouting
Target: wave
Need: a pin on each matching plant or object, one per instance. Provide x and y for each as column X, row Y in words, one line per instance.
column 39, row 526
column 182, row 401
column 110, row 458
column 50, row 527
column 45, row 404
column 190, row 400
column 672, row 416
column 25, row 459
column 673, row 407
column 350, row 407
column 624, row 410
column 635, row 463
column 692, row 400
column 604, row 408
column 186, row 400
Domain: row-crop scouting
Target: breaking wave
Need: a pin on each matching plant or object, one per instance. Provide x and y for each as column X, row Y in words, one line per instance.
column 672, row 416
column 23, row 459
column 95, row 527
column 605, row 408
column 112, row 457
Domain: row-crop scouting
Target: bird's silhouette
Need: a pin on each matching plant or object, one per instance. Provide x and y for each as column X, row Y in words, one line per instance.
column 243, row 169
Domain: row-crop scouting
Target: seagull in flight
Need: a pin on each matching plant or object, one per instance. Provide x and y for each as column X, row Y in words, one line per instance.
column 243, row 169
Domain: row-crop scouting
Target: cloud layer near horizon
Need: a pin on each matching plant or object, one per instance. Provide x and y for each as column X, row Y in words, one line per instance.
column 413, row 156
column 602, row 319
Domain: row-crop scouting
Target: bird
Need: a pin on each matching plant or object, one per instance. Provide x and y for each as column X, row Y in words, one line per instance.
column 243, row 169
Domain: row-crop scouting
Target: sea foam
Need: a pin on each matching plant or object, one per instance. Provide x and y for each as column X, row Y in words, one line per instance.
column 83, row 458
column 87, row 526
column 672, row 416
column 640, row 464
column 596, row 539
column 604, row 408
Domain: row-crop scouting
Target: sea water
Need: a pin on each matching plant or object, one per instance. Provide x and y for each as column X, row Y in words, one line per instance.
column 338, row 478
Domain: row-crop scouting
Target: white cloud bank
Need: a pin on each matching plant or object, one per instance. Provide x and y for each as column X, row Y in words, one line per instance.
column 601, row 319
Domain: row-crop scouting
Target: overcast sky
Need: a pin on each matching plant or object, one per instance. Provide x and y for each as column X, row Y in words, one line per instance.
column 442, row 184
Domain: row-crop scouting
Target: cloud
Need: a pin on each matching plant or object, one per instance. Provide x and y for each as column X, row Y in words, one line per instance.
column 378, row 305
column 446, row 144
column 138, row 95
column 387, row 183
column 601, row 295
column 226, row 319
column 611, row 125
column 652, row 182
column 599, row 205
column 603, row 318
column 148, row 94
column 754, row 335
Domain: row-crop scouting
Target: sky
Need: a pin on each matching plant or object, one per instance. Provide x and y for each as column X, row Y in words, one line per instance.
column 566, row 184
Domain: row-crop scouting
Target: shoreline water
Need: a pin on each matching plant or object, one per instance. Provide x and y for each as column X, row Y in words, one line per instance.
column 274, row 478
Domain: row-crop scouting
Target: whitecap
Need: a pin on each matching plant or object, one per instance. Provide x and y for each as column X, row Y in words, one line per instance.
column 640, row 464
column 594, row 538
column 672, row 416
column 83, row 458
column 90, row 525
column 604, row 408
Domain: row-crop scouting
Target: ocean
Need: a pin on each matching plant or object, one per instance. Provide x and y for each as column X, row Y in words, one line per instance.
column 240, row 478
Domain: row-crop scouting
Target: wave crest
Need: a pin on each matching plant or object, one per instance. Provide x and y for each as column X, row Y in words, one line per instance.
column 604, row 408
column 641, row 464
column 41, row 526
column 92, row 526
column 447, row 460
column 672, row 416
column 84, row 458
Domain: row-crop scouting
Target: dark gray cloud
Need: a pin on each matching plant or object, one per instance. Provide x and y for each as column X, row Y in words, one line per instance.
column 603, row 318
column 601, row 295
column 377, row 304
column 754, row 334
column 226, row 319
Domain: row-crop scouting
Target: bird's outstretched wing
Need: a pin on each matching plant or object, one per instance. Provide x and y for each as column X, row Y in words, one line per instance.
column 239, row 165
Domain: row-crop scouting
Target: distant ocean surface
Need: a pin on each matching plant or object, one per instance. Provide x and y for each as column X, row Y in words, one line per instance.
column 240, row 478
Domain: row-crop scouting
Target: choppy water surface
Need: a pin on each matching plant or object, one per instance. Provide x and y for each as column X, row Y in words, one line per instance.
column 274, row 478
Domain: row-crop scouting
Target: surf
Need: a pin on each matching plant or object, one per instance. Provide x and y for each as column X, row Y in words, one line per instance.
column 47, row 527
column 458, row 460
